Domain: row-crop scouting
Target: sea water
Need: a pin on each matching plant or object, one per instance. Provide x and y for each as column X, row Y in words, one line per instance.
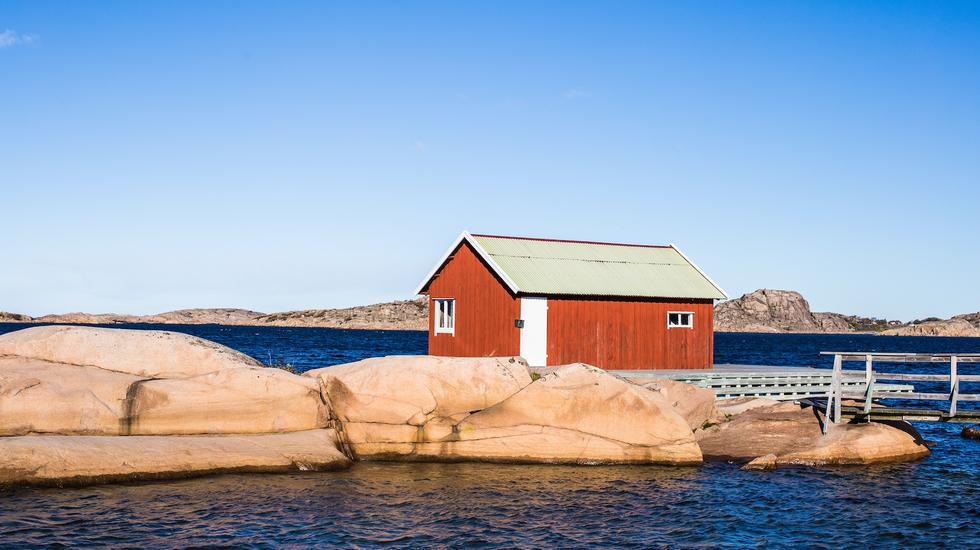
column 933, row 502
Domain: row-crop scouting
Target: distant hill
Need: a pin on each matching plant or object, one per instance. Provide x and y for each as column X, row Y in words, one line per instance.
column 763, row 310
column 768, row 310
column 6, row 317
column 219, row 316
column 400, row 315
column 942, row 327
column 972, row 318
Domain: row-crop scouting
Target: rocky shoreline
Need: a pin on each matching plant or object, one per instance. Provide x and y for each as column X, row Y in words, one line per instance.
column 397, row 315
column 786, row 311
column 764, row 310
column 81, row 405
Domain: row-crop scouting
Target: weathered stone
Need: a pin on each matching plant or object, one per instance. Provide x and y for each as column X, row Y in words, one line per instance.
column 763, row 463
column 779, row 310
column 7, row 317
column 144, row 353
column 694, row 404
column 575, row 414
column 793, row 434
column 442, row 409
column 415, row 389
column 950, row 327
column 972, row 318
column 768, row 310
column 42, row 397
column 733, row 406
column 971, row 432
column 59, row 460
column 239, row 400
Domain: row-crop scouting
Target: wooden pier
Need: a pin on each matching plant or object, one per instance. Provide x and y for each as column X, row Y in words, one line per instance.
column 842, row 388
column 771, row 382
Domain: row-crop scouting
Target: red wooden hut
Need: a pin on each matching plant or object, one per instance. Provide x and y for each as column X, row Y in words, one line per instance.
column 615, row 306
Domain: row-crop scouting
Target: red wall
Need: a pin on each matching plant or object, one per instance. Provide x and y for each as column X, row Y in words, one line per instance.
column 485, row 309
column 629, row 334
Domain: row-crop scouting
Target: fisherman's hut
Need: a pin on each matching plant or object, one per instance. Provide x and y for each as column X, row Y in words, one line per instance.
column 615, row 306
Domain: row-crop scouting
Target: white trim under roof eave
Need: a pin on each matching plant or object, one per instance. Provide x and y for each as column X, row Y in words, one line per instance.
column 703, row 274
column 492, row 263
column 465, row 236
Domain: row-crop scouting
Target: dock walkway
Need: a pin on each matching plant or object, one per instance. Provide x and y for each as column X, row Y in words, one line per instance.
column 772, row 382
column 874, row 391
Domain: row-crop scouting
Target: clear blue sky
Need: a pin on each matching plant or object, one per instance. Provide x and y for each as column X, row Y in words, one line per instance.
column 303, row 155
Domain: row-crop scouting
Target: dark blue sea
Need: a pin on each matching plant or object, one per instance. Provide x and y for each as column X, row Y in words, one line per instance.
column 932, row 503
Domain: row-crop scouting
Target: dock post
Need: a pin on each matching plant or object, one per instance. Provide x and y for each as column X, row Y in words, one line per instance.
column 836, row 386
column 868, row 396
column 832, row 411
column 869, row 384
column 954, row 385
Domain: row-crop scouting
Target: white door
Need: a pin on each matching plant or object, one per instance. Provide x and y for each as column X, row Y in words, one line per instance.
column 534, row 335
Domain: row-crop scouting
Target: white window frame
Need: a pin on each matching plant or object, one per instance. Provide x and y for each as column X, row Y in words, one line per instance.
column 443, row 323
column 690, row 319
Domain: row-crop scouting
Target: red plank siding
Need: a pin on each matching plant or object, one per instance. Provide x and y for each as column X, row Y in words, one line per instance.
column 625, row 334
column 485, row 309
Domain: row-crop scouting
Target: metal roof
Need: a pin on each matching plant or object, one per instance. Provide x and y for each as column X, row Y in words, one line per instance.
column 582, row 268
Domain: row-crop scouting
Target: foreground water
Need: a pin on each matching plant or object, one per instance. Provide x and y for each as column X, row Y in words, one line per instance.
column 934, row 502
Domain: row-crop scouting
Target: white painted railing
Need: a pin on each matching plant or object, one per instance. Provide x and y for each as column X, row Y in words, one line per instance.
column 871, row 378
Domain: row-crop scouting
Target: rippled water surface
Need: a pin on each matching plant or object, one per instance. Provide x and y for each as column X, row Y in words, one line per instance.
column 934, row 502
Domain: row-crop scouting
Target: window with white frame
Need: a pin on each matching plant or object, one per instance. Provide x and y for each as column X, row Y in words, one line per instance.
column 680, row 319
column 445, row 309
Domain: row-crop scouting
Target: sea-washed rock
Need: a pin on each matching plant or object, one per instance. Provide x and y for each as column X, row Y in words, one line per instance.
column 762, row 463
column 733, row 406
column 229, row 401
column 576, row 414
column 59, row 460
column 572, row 414
column 143, row 353
column 793, row 435
column 42, row 397
column 414, row 389
column 694, row 404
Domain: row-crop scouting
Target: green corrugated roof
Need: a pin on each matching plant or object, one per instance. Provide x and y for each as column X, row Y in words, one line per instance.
column 538, row 266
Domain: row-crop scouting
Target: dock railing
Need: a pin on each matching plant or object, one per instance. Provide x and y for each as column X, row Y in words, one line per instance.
column 871, row 377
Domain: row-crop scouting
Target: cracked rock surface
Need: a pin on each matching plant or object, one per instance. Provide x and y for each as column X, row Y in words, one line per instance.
column 488, row 409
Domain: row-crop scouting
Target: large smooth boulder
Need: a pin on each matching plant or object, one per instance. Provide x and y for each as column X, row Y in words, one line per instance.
column 792, row 433
column 412, row 390
column 144, row 353
column 59, row 460
column 574, row 414
column 733, row 406
column 694, row 404
column 241, row 400
column 43, row 397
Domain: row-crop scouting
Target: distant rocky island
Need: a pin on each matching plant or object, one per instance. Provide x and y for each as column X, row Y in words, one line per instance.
column 763, row 310
column 775, row 311
column 398, row 315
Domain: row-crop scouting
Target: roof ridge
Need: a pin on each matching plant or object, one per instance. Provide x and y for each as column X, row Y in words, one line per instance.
column 517, row 238
column 595, row 260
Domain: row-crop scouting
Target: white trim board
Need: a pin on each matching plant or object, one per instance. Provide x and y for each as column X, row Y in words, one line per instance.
column 466, row 236
column 699, row 270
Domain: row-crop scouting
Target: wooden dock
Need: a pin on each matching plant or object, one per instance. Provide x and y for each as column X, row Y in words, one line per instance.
column 771, row 382
column 873, row 391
